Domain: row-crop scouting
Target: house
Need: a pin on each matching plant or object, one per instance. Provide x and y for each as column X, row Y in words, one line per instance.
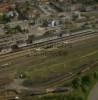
column 4, row 7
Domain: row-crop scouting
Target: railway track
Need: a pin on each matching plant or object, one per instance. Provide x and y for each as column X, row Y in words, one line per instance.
column 53, row 84
column 69, row 75
column 60, row 39
column 72, row 73
column 46, row 89
column 24, row 50
column 55, row 88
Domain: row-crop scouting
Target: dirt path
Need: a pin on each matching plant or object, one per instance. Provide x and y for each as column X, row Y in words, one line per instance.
column 94, row 93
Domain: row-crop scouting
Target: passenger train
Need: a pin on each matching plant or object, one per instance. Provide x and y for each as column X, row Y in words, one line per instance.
column 45, row 39
column 52, row 38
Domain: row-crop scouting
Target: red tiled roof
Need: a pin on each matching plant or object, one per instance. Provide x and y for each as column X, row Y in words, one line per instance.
column 4, row 7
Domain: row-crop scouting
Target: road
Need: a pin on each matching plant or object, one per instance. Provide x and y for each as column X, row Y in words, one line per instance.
column 94, row 93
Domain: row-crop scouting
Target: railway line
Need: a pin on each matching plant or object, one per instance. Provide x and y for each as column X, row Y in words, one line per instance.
column 26, row 50
column 53, row 87
column 72, row 73
column 64, row 37
column 68, row 75
column 53, row 84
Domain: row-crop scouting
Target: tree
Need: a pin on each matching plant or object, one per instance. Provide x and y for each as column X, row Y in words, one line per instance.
column 5, row 19
column 76, row 83
column 96, row 0
column 18, row 28
column 95, row 75
column 85, row 80
column 14, row 47
column 8, row 29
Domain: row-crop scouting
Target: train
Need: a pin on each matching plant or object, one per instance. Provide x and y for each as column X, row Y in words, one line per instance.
column 51, row 39
column 46, row 39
